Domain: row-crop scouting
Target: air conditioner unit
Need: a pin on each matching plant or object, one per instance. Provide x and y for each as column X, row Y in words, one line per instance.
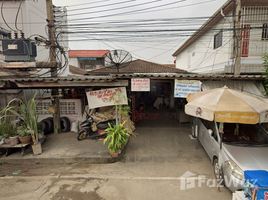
column 19, row 50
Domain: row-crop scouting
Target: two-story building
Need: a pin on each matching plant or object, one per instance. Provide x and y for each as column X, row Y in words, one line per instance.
column 212, row 48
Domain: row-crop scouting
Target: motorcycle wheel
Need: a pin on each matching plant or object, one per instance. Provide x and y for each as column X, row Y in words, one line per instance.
column 81, row 135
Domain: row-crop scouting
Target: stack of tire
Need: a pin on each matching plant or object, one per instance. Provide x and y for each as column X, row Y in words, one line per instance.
column 47, row 125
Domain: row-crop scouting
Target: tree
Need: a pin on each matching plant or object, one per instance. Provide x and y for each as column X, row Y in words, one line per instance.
column 265, row 63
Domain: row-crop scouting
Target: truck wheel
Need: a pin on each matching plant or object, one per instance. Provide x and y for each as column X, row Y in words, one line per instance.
column 65, row 124
column 49, row 125
column 52, row 122
column 43, row 126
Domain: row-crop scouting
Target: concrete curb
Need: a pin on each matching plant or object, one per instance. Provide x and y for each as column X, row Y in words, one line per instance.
column 66, row 160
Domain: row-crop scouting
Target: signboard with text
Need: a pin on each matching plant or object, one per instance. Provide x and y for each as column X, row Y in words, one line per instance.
column 184, row 87
column 140, row 84
column 107, row 97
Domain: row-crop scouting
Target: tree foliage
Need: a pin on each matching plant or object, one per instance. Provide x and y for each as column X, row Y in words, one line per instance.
column 265, row 63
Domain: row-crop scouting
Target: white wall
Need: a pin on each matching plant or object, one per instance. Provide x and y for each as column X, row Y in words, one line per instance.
column 201, row 55
column 74, row 62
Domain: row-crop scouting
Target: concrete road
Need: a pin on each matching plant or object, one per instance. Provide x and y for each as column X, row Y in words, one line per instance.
column 162, row 162
column 130, row 181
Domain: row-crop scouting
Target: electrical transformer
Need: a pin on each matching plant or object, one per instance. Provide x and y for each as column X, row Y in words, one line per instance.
column 19, row 50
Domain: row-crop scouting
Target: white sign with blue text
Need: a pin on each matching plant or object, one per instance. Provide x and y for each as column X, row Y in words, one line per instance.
column 184, row 87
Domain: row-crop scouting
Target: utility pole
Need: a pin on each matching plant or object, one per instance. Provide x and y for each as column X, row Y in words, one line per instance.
column 237, row 38
column 52, row 54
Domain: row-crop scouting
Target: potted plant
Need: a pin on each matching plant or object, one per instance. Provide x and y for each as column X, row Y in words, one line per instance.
column 13, row 135
column 25, row 135
column 4, row 132
column 25, row 111
column 117, row 138
column 7, row 131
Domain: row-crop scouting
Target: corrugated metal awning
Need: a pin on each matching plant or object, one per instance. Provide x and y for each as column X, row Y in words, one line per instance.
column 65, row 82
column 251, row 87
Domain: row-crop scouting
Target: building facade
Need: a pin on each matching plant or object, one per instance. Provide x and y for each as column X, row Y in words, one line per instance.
column 212, row 48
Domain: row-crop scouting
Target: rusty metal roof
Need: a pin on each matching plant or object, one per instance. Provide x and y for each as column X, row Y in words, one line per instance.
column 190, row 76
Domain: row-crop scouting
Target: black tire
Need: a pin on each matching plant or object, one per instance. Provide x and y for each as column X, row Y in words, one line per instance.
column 65, row 124
column 217, row 171
column 52, row 121
column 193, row 132
column 81, row 135
column 44, row 126
column 50, row 125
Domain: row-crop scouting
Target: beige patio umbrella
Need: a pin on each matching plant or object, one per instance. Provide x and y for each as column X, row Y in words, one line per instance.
column 227, row 105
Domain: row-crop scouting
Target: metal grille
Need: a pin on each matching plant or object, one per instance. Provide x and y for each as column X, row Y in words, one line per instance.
column 255, row 18
column 43, row 106
column 66, row 108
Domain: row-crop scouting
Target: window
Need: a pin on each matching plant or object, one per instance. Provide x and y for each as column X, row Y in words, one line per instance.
column 218, row 40
column 264, row 35
column 211, row 125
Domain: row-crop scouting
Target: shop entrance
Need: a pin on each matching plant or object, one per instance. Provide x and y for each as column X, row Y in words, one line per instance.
column 157, row 107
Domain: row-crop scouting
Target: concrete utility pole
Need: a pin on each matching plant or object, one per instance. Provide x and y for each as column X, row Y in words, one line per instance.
column 52, row 54
column 237, row 38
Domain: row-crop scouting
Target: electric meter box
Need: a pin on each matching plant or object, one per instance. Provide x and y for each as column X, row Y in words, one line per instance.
column 19, row 50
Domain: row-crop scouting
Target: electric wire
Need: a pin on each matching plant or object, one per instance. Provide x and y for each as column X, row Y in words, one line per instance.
column 127, row 12
column 2, row 5
column 101, row 6
column 83, row 4
column 17, row 16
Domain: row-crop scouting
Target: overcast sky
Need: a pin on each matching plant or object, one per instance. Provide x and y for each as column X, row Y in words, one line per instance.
column 147, row 29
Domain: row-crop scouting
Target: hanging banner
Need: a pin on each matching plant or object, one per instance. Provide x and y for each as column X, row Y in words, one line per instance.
column 107, row 97
column 140, row 84
column 184, row 87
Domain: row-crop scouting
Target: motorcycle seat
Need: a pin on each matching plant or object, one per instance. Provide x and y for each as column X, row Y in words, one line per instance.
column 104, row 125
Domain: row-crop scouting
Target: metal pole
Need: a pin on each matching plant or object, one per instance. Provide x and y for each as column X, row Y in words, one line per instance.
column 196, row 132
column 238, row 39
column 52, row 54
column 116, row 113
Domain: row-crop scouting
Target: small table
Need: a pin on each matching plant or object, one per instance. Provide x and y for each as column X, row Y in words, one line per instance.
column 8, row 146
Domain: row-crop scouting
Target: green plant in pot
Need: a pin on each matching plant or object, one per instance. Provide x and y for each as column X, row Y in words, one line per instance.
column 7, row 131
column 26, row 111
column 117, row 138
column 13, row 134
column 25, row 135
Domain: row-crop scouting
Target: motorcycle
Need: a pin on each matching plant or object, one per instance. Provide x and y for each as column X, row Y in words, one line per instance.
column 86, row 129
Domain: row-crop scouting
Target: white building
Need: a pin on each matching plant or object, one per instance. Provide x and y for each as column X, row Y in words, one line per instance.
column 211, row 48
column 87, row 59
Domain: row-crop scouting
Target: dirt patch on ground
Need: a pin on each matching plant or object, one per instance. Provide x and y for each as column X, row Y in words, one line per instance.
column 24, row 169
column 41, row 169
column 63, row 194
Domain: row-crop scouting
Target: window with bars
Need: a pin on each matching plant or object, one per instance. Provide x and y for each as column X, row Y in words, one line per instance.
column 218, row 40
column 264, row 35
column 43, row 106
column 66, row 108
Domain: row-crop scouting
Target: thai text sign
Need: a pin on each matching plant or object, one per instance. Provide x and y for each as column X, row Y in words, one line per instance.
column 184, row 87
column 140, row 84
column 107, row 97
column 237, row 117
